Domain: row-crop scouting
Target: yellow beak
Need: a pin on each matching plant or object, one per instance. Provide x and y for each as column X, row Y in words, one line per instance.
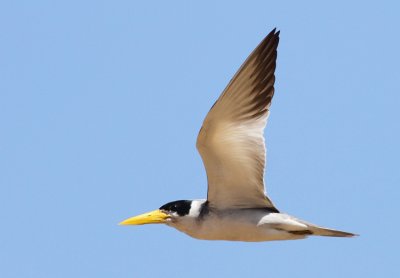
column 152, row 217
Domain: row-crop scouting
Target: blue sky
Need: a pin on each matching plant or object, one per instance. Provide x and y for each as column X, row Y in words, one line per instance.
column 101, row 102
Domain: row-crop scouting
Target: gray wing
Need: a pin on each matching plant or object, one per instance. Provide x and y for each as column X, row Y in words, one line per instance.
column 231, row 140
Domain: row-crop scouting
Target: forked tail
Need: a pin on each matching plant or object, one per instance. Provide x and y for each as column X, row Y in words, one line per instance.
column 319, row 231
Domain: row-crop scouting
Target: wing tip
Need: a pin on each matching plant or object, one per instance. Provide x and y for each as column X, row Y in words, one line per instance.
column 275, row 32
column 271, row 39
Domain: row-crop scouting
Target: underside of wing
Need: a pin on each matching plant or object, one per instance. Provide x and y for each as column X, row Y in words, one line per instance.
column 231, row 140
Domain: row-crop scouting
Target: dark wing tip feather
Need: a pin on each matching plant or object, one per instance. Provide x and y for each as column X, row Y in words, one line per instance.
column 253, row 85
column 264, row 75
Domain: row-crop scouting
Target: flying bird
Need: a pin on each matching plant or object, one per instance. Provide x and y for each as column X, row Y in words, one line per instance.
column 232, row 146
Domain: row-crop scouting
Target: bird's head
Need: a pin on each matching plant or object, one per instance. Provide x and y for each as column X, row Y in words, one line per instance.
column 168, row 213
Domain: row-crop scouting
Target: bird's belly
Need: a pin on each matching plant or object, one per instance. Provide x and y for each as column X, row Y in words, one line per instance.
column 239, row 233
column 235, row 228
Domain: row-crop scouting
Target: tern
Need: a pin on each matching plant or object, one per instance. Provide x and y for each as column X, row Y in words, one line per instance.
column 232, row 146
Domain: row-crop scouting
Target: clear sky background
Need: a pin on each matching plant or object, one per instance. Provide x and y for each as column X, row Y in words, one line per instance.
column 101, row 103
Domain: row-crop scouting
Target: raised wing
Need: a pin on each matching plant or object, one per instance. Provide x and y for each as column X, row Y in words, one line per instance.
column 231, row 141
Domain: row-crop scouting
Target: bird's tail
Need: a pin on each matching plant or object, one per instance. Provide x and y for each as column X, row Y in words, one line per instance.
column 320, row 231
